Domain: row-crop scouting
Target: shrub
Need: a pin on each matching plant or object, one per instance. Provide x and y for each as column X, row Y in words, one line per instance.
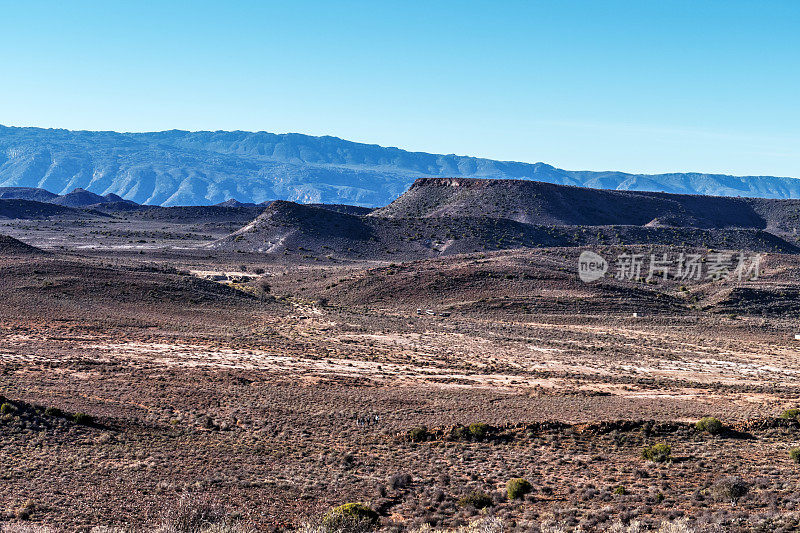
column 478, row 500
column 418, row 434
column 657, row 453
column 53, row 411
column 24, row 512
column 350, row 517
column 517, row 488
column 7, row 408
column 263, row 287
column 791, row 413
column 460, row 433
column 222, row 527
column 83, row 419
column 730, row 489
column 621, row 490
column 348, row 460
column 794, row 454
column 479, row 431
column 190, row 514
column 709, row 424
column 490, row 524
column 26, row 528
column 400, row 480
column 681, row 525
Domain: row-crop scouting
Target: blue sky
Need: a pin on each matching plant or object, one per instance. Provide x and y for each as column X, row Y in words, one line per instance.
column 643, row 86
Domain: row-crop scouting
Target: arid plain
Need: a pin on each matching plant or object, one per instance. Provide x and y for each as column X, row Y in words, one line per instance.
column 280, row 385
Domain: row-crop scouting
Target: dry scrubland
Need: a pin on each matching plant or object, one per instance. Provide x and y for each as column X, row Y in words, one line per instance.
column 140, row 397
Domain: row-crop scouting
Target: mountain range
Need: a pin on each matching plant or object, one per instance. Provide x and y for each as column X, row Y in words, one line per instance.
column 202, row 168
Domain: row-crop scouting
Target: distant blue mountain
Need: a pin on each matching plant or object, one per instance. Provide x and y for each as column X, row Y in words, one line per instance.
column 203, row 168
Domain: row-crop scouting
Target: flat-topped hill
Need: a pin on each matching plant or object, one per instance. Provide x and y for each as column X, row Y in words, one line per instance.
column 533, row 202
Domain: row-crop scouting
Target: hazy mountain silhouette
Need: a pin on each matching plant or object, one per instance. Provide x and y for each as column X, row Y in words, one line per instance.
column 203, row 168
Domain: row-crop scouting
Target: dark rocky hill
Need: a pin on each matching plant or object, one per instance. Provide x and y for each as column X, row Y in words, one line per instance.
column 76, row 198
column 346, row 209
column 307, row 232
column 28, row 209
column 532, row 202
column 27, row 193
column 82, row 198
column 196, row 213
column 232, row 202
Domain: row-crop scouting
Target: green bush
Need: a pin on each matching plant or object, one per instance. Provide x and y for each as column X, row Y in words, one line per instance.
column 83, row 419
column 350, row 517
column 418, row 434
column 479, row 431
column 794, row 454
column 657, row 453
column 7, row 408
column 517, row 488
column 478, row 500
column 709, row 424
column 791, row 413
column 621, row 490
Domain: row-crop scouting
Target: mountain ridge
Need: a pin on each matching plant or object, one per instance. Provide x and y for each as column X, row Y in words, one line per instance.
column 177, row 167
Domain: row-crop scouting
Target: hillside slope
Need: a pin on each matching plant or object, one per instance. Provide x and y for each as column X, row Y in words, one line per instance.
column 202, row 168
column 10, row 246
